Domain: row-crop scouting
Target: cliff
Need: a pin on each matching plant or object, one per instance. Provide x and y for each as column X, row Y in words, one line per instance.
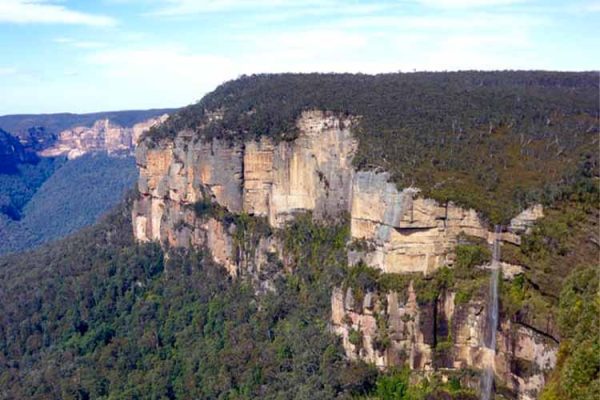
column 188, row 186
column 103, row 135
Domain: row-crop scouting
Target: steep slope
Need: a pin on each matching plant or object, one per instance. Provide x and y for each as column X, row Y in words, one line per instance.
column 73, row 197
column 480, row 139
column 123, row 322
column 21, row 173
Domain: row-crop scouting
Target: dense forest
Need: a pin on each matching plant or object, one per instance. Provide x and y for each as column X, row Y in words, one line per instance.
column 97, row 316
column 493, row 141
column 54, row 197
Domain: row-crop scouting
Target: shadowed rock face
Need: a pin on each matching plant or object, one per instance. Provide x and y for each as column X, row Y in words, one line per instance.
column 442, row 334
column 13, row 153
column 405, row 233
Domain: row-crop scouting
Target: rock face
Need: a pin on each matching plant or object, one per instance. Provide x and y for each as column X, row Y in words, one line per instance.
column 103, row 135
column 260, row 178
column 395, row 329
column 313, row 173
column 522, row 222
column 187, row 185
column 408, row 234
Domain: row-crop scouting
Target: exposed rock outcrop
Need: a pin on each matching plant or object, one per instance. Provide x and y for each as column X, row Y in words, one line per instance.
column 395, row 329
column 103, row 135
column 261, row 178
column 523, row 222
column 187, row 184
column 407, row 233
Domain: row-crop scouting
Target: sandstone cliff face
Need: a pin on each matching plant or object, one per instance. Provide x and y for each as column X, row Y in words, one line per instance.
column 402, row 233
column 102, row 136
column 440, row 335
column 259, row 178
column 313, row 173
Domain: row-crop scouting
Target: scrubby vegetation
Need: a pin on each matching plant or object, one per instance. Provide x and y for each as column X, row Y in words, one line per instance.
column 577, row 375
column 493, row 141
column 463, row 277
column 559, row 292
column 397, row 385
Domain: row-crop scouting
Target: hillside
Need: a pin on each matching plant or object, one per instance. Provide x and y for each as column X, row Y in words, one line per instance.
column 42, row 195
column 73, row 196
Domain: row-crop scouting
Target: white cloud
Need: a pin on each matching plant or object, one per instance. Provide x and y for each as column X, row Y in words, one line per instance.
column 272, row 9
column 432, row 23
column 41, row 11
column 7, row 71
column 160, row 74
column 468, row 3
column 80, row 44
column 590, row 6
column 485, row 51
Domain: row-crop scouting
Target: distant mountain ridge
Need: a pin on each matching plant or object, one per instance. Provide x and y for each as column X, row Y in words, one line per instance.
column 43, row 196
column 35, row 129
column 18, row 123
column 102, row 136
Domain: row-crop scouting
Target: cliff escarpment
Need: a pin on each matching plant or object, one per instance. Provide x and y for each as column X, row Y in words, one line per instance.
column 103, row 136
column 192, row 190
column 420, row 193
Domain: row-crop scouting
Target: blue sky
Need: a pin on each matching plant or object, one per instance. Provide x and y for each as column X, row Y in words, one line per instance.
column 84, row 56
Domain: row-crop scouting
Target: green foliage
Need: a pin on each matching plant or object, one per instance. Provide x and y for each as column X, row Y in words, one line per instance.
column 577, row 375
column 493, row 141
column 318, row 249
column 393, row 387
column 396, row 282
column 428, row 289
column 469, row 256
column 563, row 241
column 71, row 195
column 120, row 321
column 362, row 279
column 401, row 385
column 355, row 337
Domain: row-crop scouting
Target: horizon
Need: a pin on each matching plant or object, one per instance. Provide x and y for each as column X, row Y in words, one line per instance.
column 175, row 108
column 79, row 57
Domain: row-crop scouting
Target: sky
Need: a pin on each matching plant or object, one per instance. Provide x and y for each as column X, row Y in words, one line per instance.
column 100, row 55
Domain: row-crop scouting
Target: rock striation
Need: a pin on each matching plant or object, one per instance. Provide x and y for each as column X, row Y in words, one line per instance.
column 103, row 135
column 189, row 185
